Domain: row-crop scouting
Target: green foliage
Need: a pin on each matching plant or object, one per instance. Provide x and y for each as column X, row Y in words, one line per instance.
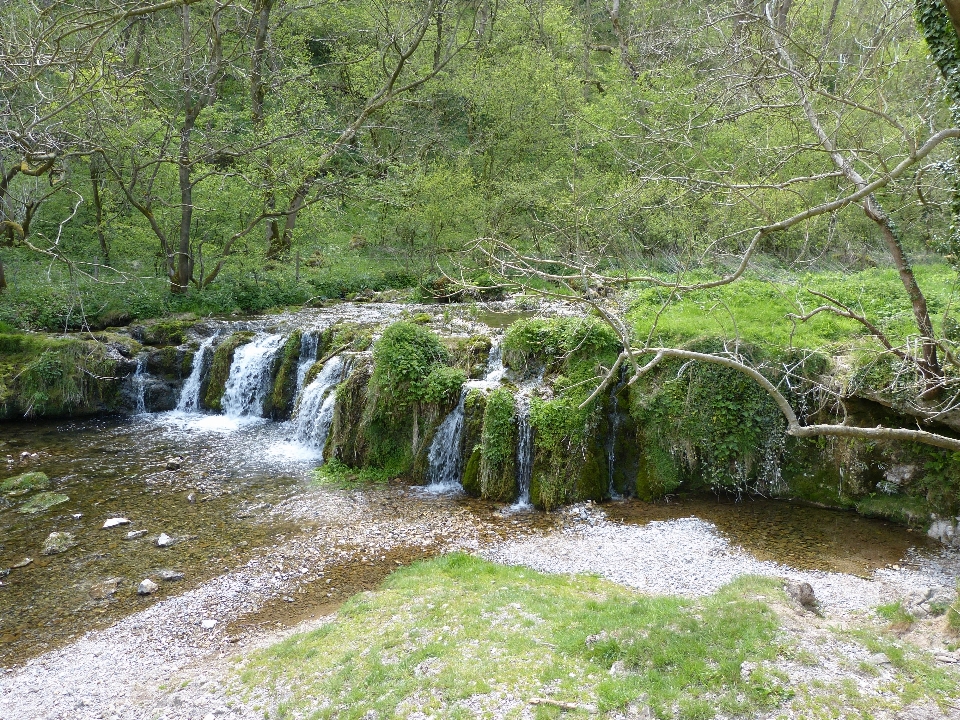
column 403, row 357
column 499, row 447
column 896, row 614
column 442, row 385
column 711, row 420
column 953, row 612
column 910, row 511
column 335, row 473
column 681, row 658
column 570, row 347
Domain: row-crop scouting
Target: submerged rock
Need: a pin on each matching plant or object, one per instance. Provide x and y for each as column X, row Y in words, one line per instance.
column 42, row 501
column 146, row 587
column 134, row 534
column 171, row 575
column 22, row 563
column 114, row 522
column 165, row 540
column 22, row 484
column 104, row 590
column 58, row 542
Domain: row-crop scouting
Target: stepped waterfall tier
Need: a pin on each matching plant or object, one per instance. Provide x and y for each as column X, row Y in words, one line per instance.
column 140, row 385
column 190, row 393
column 446, row 450
column 314, row 414
column 524, row 451
column 249, row 380
column 309, row 342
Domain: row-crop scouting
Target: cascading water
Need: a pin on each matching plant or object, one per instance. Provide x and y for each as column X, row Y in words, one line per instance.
column 140, row 385
column 308, row 356
column 524, row 451
column 314, row 414
column 445, row 469
column 189, row 401
column 611, row 440
column 446, row 454
column 249, row 380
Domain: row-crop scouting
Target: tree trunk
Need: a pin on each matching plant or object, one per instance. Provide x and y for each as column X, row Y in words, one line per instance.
column 3, row 277
column 96, row 179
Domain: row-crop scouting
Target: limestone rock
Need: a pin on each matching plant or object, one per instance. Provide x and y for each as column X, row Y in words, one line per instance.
column 58, row 542
column 146, row 587
column 208, row 623
column 164, row 540
column 115, row 522
column 40, row 502
column 134, row 534
column 22, row 484
column 803, row 594
column 171, row 575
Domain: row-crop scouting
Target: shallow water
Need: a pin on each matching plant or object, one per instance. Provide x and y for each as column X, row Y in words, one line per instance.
column 802, row 536
column 118, row 468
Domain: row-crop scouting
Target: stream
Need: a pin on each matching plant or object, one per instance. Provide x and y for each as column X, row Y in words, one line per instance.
column 211, row 483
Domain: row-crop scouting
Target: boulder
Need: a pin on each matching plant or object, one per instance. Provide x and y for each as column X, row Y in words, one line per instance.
column 22, row 484
column 41, row 502
column 58, row 542
column 803, row 594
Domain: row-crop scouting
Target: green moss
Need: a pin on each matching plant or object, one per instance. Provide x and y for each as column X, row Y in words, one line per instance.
column 498, row 476
column 910, row 511
column 41, row 502
column 220, row 368
column 572, row 347
column 163, row 332
column 403, row 356
column 658, row 474
column 22, row 484
column 474, row 405
column 471, row 474
column 56, row 376
column 279, row 402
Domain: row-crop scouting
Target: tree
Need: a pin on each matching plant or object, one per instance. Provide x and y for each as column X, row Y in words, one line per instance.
column 805, row 141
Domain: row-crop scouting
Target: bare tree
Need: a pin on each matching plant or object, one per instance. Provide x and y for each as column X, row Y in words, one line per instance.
column 855, row 139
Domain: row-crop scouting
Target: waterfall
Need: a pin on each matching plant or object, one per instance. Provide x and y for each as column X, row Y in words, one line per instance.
column 314, row 414
column 524, row 451
column 308, row 356
column 140, row 384
column 189, row 401
column 249, row 380
column 446, row 454
column 445, row 468
column 611, row 444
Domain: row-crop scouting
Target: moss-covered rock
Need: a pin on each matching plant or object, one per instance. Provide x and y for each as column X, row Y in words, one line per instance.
column 168, row 331
column 25, row 483
column 41, row 502
column 220, row 368
column 170, row 363
column 474, row 405
column 498, row 470
column 278, row 404
column 58, row 542
column 58, row 376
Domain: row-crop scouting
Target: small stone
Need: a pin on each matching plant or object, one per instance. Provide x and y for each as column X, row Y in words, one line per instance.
column 164, row 540
column 134, row 534
column 208, row 623
column 171, row 575
column 114, row 522
column 104, row 590
column 803, row 594
column 24, row 454
column 146, row 587
column 192, row 498
column 618, row 668
column 58, row 542
column 174, row 463
column 77, row 516
column 22, row 563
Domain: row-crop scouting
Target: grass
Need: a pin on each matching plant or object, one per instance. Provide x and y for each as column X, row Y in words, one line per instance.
column 457, row 631
column 754, row 310
column 896, row 614
column 334, row 473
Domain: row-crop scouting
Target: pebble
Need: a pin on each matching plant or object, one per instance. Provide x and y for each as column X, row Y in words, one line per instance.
column 22, row 563
column 115, row 522
column 134, row 534
column 208, row 623
column 146, row 587
column 171, row 575
column 164, row 540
